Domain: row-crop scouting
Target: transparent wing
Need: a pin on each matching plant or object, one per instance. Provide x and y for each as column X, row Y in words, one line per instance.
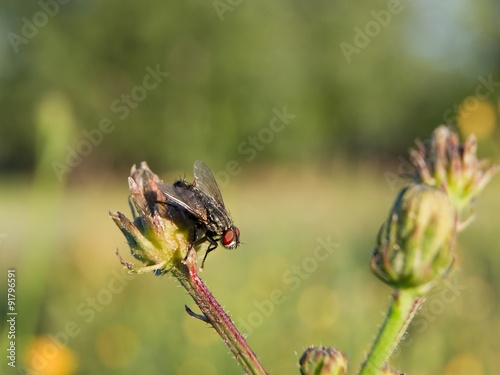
column 184, row 198
column 205, row 182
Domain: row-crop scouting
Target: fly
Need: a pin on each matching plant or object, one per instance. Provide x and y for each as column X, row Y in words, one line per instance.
column 203, row 200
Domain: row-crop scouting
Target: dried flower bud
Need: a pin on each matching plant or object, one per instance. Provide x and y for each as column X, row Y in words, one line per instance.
column 157, row 236
column 323, row 361
column 444, row 163
column 415, row 244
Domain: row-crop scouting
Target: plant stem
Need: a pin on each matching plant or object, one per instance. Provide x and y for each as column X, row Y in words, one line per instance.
column 403, row 307
column 214, row 314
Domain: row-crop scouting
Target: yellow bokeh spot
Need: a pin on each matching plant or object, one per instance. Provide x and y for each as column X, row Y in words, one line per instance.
column 464, row 364
column 318, row 307
column 116, row 346
column 47, row 356
column 476, row 116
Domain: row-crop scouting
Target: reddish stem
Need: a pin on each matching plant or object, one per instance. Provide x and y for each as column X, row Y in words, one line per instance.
column 214, row 314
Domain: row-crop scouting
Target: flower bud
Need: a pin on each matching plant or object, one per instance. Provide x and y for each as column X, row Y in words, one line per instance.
column 323, row 361
column 415, row 244
column 157, row 237
column 444, row 163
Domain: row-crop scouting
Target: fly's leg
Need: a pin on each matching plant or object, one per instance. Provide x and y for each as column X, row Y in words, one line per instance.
column 211, row 247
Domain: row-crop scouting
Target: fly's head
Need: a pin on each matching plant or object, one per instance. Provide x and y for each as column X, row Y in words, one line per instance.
column 231, row 238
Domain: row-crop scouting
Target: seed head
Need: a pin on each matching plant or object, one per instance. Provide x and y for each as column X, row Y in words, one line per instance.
column 443, row 162
column 159, row 235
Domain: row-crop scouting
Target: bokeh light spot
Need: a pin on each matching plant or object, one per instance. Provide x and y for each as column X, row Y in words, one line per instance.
column 48, row 356
column 464, row 364
column 476, row 116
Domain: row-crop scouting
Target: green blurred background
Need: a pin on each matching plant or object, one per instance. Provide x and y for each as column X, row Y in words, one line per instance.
column 88, row 88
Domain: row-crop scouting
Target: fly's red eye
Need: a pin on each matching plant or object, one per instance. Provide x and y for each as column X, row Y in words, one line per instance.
column 237, row 232
column 228, row 237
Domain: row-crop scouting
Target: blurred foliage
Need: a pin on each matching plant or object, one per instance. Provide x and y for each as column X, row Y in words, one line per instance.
column 323, row 175
column 229, row 67
column 137, row 324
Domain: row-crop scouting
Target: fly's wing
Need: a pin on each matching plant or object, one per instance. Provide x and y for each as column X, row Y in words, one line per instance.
column 205, row 182
column 184, row 198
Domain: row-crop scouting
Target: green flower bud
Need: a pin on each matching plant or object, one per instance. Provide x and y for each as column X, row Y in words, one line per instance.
column 415, row 245
column 444, row 163
column 323, row 361
column 157, row 237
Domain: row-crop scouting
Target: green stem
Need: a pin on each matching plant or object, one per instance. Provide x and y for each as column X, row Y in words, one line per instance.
column 214, row 314
column 403, row 307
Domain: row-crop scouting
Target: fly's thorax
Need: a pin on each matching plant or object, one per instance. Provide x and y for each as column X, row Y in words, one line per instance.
column 218, row 218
